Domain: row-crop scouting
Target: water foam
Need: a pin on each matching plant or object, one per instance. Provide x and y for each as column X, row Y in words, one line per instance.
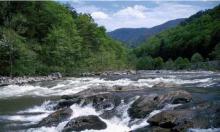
column 75, row 85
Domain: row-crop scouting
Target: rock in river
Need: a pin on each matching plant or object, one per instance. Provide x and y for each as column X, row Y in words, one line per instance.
column 85, row 122
column 170, row 119
column 55, row 118
column 146, row 104
column 142, row 107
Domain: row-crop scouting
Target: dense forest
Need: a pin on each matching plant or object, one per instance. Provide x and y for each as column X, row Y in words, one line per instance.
column 195, row 40
column 38, row 38
column 133, row 37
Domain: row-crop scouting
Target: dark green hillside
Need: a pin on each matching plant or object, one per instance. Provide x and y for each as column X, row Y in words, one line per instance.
column 133, row 37
column 38, row 38
column 199, row 34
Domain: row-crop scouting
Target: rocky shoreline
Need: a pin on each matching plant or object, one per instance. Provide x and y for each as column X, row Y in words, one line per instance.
column 4, row 81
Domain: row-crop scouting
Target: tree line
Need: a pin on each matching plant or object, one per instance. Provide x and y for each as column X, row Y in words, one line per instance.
column 195, row 40
column 38, row 38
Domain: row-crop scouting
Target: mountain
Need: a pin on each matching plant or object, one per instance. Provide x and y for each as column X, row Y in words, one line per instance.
column 134, row 36
column 196, row 38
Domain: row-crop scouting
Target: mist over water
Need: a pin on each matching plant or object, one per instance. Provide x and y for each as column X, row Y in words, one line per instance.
column 19, row 116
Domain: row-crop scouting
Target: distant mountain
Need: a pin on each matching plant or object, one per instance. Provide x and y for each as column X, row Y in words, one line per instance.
column 134, row 36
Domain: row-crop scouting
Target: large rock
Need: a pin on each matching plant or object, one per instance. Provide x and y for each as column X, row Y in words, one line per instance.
column 170, row 119
column 175, row 97
column 55, row 118
column 151, row 129
column 67, row 103
column 178, row 121
column 146, row 104
column 85, row 123
column 143, row 106
column 105, row 101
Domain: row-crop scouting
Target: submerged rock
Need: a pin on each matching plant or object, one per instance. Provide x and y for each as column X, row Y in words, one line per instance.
column 85, row 123
column 165, row 85
column 55, row 118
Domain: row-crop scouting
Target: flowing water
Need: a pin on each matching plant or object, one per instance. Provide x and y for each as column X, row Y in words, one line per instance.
column 21, row 106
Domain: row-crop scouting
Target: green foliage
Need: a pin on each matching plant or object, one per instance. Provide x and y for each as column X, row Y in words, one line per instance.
column 158, row 63
column 38, row 38
column 195, row 38
column 145, row 63
column 200, row 35
column 169, row 65
column 216, row 52
column 196, row 58
column 182, row 63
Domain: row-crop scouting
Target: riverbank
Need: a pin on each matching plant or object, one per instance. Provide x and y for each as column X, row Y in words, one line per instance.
column 4, row 81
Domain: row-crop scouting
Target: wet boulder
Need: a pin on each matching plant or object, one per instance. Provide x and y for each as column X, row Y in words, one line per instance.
column 105, row 101
column 85, row 123
column 55, row 118
column 67, row 97
column 67, row 103
column 143, row 106
column 151, row 129
column 146, row 104
column 175, row 97
column 174, row 120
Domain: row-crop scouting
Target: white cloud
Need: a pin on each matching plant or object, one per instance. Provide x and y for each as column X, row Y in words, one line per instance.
column 139, row 15
column 136, row 11
column 99, row 15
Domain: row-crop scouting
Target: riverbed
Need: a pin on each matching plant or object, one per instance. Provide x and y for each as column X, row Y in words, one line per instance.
column 22, row 106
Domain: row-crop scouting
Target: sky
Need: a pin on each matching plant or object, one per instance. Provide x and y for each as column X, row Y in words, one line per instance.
column 136, row 14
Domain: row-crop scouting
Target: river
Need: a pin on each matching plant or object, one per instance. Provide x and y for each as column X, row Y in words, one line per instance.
column 24, row 105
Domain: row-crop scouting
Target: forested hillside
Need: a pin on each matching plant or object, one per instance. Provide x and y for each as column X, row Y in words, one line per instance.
column 133, row 37
column 197, row 39
column 37, row 38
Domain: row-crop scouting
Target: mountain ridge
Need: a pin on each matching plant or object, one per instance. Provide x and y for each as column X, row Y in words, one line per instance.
column 135, row 36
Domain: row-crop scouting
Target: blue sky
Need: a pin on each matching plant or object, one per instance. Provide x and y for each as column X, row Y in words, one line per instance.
column 136, row 14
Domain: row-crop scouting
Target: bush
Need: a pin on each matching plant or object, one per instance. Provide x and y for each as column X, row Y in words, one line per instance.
column 145, row 63
column 181, row 63
column 169, row 65
column 196, row 58
column 158, row 63
column 216, row 52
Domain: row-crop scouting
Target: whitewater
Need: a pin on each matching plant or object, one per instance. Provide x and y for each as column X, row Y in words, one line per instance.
column 49, row 91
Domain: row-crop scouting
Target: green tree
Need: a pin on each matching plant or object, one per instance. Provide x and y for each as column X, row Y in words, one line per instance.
column 181, row 63
column 196, row 58
column 169, row 65
column 216, row 52
column 158, row 63
column 145, row 63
